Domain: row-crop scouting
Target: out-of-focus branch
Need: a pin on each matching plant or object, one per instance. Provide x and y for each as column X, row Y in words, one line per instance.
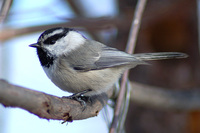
column 166, row 99
column 198, row 17
column 130, row 48
column 5, row 9
column 48, row 106
column 91, row 23
column 79, row 10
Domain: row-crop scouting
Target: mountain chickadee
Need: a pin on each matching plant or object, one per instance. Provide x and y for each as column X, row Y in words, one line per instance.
column 86, row 67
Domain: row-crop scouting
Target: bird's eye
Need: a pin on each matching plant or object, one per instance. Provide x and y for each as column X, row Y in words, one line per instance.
column 50, row 41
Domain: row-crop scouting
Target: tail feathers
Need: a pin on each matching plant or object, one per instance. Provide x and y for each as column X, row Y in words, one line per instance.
column 160, row 56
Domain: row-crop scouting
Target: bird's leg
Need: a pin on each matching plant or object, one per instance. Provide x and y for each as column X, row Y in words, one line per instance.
column 81, row 98
column 79, row 93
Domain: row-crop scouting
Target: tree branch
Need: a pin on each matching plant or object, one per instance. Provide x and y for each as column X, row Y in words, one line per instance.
column 48, row 106
column 4, row 10
column 79, row 10
column 166, row 99
column 52, row 107
column 130, row 48
column 89, row 23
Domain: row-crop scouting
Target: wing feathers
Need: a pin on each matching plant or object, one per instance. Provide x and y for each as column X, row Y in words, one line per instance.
column 95, row 56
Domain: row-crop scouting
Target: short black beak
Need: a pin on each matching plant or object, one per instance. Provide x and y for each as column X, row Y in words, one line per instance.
column 35, row 45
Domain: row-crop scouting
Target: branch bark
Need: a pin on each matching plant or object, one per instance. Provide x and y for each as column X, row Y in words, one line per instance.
column 48, row 106
column 52, row 107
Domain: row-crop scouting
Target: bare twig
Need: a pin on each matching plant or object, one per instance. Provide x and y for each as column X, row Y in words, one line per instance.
column 78, row 8
column 5, row 9
column 165, row 98
column 48, row 106
column 100, row 23
column 198, row 16
column 130, row 48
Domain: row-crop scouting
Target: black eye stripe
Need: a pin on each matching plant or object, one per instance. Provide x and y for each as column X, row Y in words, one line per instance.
column 54, row 38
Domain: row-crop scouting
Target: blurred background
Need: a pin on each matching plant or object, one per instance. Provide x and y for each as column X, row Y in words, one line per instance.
column 167, row 25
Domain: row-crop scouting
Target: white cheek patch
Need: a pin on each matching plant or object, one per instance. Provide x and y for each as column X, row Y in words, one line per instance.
column 56, row 49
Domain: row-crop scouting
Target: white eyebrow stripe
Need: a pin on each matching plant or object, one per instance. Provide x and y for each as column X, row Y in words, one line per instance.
column 56, row 32
column 53, row 33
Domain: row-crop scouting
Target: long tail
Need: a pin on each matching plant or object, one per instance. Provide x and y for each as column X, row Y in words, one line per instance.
column 160, row 55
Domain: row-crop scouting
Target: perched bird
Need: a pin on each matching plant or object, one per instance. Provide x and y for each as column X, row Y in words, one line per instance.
column 86, row 67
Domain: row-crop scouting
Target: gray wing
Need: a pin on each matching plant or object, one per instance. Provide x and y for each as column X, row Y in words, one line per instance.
column 95, row 56
column 111, row 57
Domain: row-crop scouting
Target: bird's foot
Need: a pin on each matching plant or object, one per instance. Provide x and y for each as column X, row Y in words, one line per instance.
column 81, row 98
